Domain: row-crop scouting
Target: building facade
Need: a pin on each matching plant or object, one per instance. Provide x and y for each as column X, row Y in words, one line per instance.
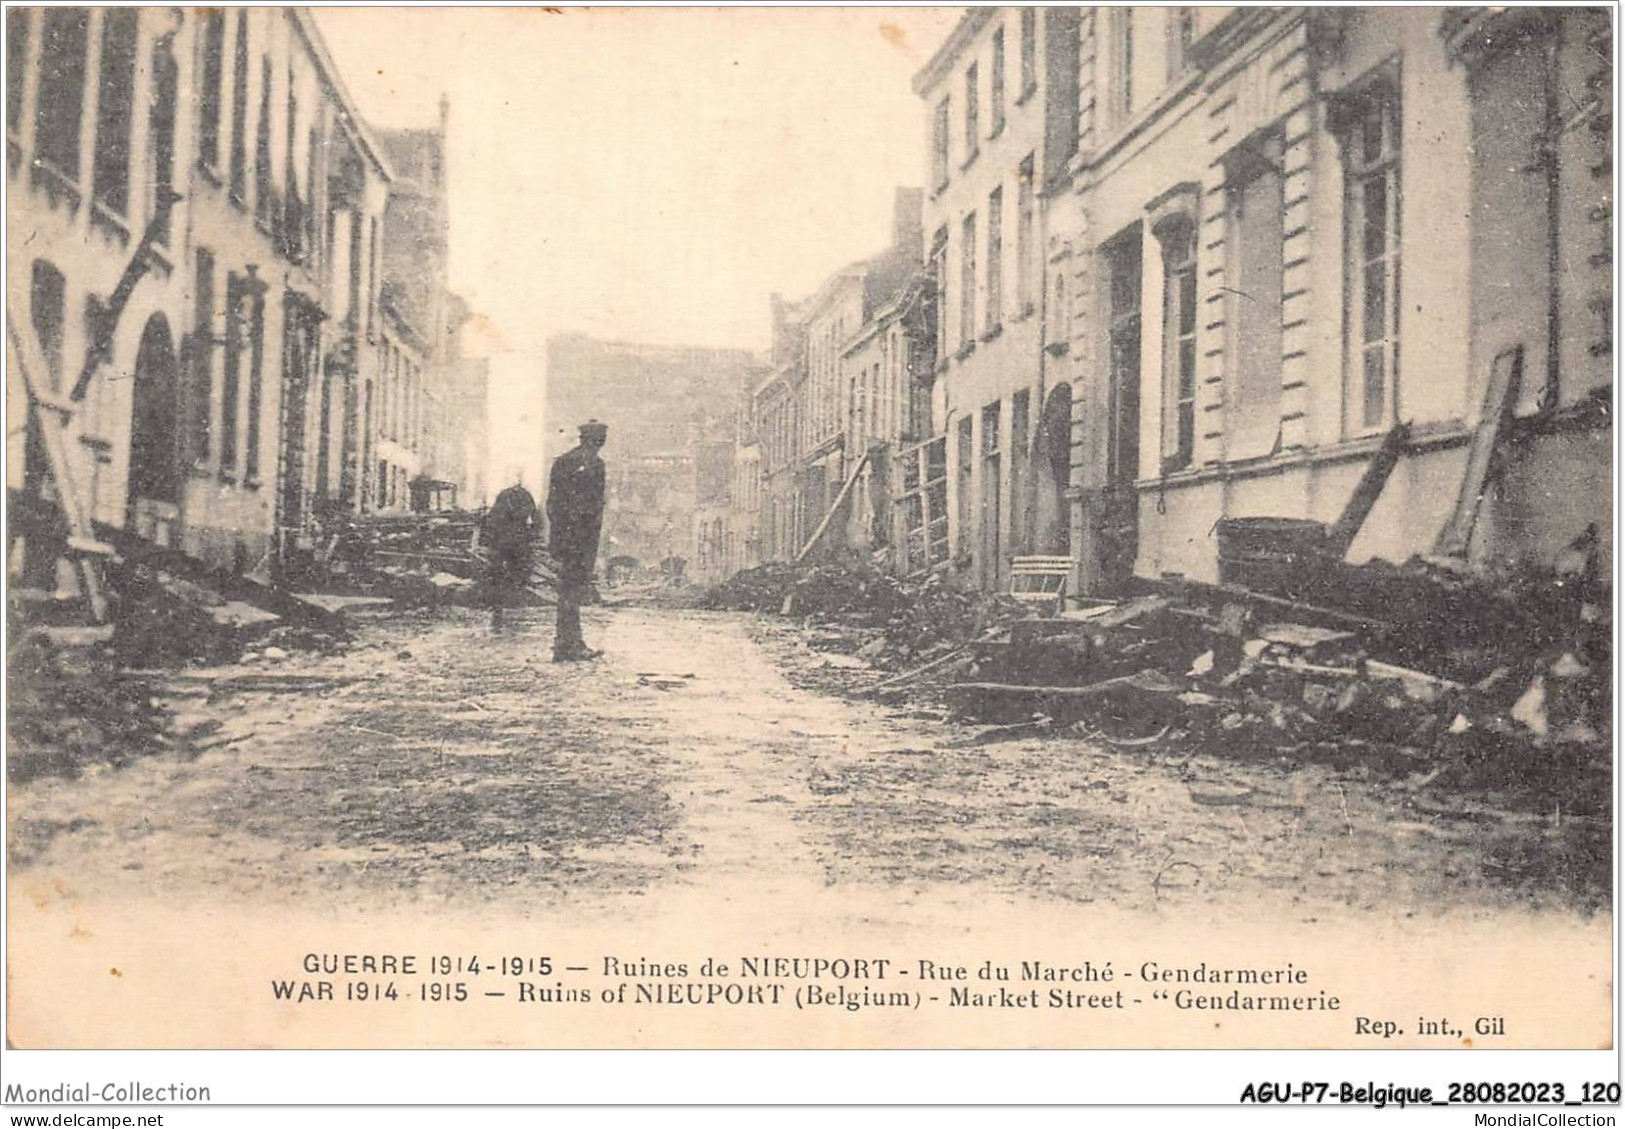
column 661, row 403
column 194, row 244
column 1001, row 101
column 1251, row 187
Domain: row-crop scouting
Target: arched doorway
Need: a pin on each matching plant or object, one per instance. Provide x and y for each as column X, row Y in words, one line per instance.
column 1053, row 467
column 155, row 465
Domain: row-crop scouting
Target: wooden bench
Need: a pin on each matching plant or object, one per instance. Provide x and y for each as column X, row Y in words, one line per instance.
column 1040, row 581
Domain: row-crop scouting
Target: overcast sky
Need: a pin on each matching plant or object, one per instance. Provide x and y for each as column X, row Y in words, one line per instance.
column 648, row 174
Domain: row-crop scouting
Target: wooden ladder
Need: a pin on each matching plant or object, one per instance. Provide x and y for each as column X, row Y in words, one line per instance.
column 54, row 419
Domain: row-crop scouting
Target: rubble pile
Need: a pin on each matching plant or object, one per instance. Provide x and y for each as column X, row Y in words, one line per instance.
column 1488, row 684
column 861, row 609
column 68, row 708
column 417, row 559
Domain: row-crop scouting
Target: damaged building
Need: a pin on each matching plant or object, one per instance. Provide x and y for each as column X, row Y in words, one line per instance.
column 663, row 405
column 198, row 341
column 1249, row 190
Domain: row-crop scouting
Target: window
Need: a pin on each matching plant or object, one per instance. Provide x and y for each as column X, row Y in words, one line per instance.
column 1024, row 237
column 966, row 451
column 202, row 358
column 238, row 313
column 1178, row 236
column 1020, row 466
column 161, row 138
column 1123, row 357
column 115, row 94
column 264, row 197
column 1029, row 51
column 992, row 540
column 996, row 81
column 1061, row 319
column 17, row 28
column 59, row 103
column 47, row 303
column 995, row 259
column 372, row 274
column 210, row 98
column 356, row 268
column 1181, row 34
column 1253, row 384
column 925, row 505
column 239, row 111
column 973, row 126
column 1371, row 163
column 967, row 283
column 939, row 296
column 256, row 380
column 939, row 146
column 1122, row 58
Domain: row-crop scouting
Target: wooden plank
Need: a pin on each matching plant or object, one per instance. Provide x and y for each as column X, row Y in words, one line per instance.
column 835, row 507
column 1500, row 399
column 52, row 421
column 1369, row 489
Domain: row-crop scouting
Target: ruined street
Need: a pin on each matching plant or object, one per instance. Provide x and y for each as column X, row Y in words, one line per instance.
column 431, row 763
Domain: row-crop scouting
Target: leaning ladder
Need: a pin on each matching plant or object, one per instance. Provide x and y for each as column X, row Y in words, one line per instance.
column 54, row 418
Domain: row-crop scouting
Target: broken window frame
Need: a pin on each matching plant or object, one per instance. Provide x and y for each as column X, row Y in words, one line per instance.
column 924, row 505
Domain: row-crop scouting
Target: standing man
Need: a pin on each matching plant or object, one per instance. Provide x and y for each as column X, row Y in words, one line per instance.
column 510, row 532
column 575, row 515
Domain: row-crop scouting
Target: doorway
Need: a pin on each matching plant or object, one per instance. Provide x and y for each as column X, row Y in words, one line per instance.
column 155, row 426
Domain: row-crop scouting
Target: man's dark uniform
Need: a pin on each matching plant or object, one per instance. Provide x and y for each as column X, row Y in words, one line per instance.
column 575, row 515
column 510, row 532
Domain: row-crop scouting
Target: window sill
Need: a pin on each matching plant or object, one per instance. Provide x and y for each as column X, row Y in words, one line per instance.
column 965, row 350
column 970, row 160
column 1027, row 92
column 942, row 186
column 210, row 173
column 992, row 332
column 1058, row 348
column 251, row 483
column 997, row 131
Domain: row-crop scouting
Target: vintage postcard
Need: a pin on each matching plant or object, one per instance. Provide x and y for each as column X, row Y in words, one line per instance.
column 1056, row 527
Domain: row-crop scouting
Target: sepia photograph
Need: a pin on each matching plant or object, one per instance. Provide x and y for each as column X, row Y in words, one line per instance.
column 810, row 528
